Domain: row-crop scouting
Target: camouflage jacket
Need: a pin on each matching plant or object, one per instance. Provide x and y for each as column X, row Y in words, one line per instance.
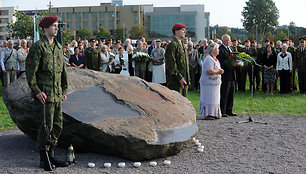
column 92, row 58
column 177, row 64
column 46, row 71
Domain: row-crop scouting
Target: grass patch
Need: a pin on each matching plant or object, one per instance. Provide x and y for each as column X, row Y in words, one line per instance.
column 5, row 120
column 277, row 104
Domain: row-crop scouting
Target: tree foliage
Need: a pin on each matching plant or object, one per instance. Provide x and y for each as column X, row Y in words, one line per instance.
column 260, row 16
column 120, row 33
column 24, row 25
column 103, row 33
column 67, row 36
column 84, row 34
column 137, row 31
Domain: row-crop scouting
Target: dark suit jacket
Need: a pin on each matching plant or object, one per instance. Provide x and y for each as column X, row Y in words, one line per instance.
column 201, row 49
column 229, row 73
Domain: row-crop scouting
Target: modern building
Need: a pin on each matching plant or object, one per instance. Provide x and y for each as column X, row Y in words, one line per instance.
column 159, row 21
column 106, row 15
column 6, row 16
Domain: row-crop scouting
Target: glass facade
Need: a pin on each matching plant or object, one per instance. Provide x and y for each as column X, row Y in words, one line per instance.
column 78, row 16
column 85, row 15
column 162, row 24
column 102, row 15
column 69, row 16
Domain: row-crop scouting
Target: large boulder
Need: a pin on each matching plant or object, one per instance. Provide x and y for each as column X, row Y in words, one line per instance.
column 112, row 114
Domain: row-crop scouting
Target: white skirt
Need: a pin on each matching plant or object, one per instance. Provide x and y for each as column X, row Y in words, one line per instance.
column 159, row 74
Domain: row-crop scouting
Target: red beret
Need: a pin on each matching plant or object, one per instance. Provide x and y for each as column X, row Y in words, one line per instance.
column 267, row 40
column 254, row 41
column 47, row 21
column 178, row 26
column 286, row 39
column 247, row 41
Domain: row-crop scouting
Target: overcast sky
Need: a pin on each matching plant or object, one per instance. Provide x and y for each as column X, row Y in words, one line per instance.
column 222, row 12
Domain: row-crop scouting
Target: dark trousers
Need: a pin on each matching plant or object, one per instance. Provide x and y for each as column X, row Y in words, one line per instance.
column 284, row 76
column 293, row 84
column 192, row 78
column 241, row 78
column 302, row 81
column 227, row 96
column 256, row 78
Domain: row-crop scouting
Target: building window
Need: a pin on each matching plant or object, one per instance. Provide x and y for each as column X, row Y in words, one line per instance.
column 69, row 24
column 111, row 14
column 78, row 25
column 85, row 15
column 118, row 22
column 102, row 14
column 94, row 16
column 69, row 16
column 135, row 17
column 111, row 23
column 94, row 24
column 118, row 14
column 102, row 23
column 78, row 16
column 85, row 24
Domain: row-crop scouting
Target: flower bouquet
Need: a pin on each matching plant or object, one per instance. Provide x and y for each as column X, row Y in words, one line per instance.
column 241, row 59
column 111, row 56
column 141, row 57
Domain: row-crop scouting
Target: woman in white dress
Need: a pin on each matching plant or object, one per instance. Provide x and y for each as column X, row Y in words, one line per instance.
column 105, row 58
column 210, row 82
column 158, row 69
column 122, row 62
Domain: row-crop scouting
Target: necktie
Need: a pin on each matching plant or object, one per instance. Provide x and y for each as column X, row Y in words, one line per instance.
column 302, row 49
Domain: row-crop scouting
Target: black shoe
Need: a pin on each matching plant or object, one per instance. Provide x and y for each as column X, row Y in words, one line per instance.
column 54, row 160
column 45, row 161
column 232, row 114
column 210, row 118
column 224, row 115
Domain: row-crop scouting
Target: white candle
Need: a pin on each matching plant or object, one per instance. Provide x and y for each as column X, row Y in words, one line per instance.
column 200, row 150
column 107, row 165
column 196, row 141
column 122, row 164
column 153, row 163
column 167, row 162
column 198, row 144
column 201, row 147
column 137, row 164
column 193, row 139
column 91, row 165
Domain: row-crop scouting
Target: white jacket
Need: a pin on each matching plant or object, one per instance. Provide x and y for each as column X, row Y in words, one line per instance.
column 284, row 63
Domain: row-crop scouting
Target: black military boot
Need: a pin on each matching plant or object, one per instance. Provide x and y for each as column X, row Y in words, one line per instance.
column 45, row 161
column 54, row 160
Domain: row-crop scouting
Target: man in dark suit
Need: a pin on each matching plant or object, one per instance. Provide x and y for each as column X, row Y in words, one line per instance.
column 228, row 78
column 202, row 49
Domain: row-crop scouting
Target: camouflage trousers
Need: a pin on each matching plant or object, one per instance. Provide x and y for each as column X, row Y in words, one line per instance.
column 9, row 77
column 54, row 122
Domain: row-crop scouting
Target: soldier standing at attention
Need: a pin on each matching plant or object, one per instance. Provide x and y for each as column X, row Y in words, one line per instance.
column 47, row 78
column 9, row 64
column 177, row 65
column 92, row 57
column 300, row 65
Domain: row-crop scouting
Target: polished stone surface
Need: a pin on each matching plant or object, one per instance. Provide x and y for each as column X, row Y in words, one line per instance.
column 94, row 104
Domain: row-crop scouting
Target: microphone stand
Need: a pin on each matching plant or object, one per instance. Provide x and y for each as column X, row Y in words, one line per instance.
column 252, row 91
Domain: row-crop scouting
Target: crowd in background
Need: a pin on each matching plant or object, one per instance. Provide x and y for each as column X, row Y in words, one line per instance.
column 279, row 61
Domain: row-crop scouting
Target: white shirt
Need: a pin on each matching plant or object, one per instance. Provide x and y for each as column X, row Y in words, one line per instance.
column 284, row 63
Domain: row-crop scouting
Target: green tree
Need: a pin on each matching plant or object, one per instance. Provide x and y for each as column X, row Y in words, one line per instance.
column 84, row 34
column 103, row 33
column 23, row 27
column 67, row 36
column 120, row 33
column 281, row 34
column 260, row 17
column 137, row 31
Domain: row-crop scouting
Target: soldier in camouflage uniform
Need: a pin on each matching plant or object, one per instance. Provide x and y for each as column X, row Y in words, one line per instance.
column 47, row 78
column 9, row 64
column 92, row 57
column 177, row 65
column 300, row 65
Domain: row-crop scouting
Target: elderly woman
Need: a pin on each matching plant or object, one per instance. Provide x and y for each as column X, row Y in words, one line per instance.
column 22, row 55
column 158, row 68
column 210, row 82
column 122, row 62
column 284, row 68
column 105, row 58
column 129, row 52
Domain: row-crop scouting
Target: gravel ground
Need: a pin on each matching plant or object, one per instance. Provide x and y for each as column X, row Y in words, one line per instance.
column 278, row 147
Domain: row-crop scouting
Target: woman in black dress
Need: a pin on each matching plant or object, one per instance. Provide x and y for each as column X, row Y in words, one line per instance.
column 269, row 64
